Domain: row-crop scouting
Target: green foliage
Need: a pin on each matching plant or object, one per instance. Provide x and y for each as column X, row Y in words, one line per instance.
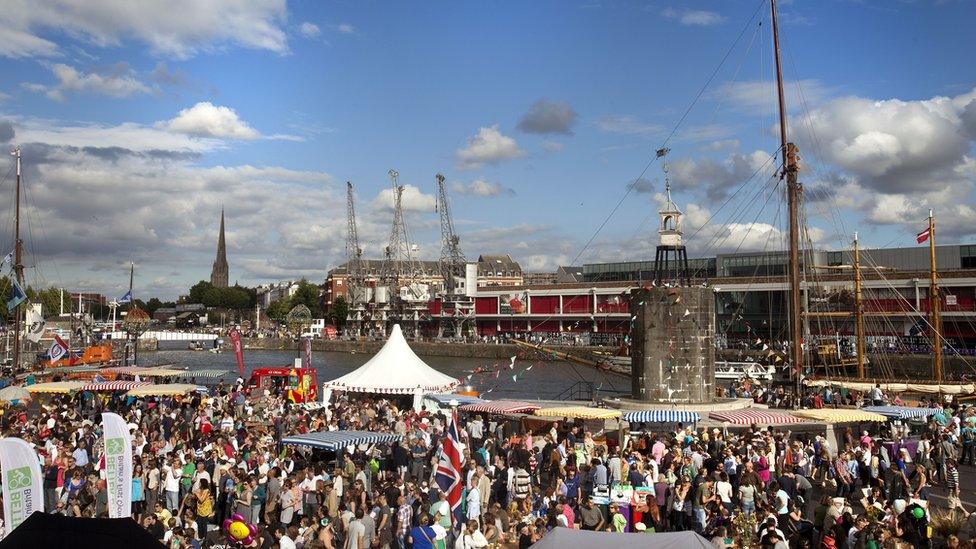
column 278, row 309
column 308, row 294
column 339, row 311
column 198, row 290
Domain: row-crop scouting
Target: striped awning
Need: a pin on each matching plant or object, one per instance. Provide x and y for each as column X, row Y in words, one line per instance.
column 500, row 407
column 337, row 440
column 578, row 412
column 165, row 389
column 839, row 415
column 757, row 416
column 211, row 373
column 662, row 416
column 445, row 399
column 143, row 371
column 108, row 386
column 902, row 412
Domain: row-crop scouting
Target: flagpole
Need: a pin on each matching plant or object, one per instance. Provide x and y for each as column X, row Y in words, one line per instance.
column 18, row 266
column 935, row 303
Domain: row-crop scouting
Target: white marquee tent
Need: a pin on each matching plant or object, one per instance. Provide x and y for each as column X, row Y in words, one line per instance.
column 395, row 369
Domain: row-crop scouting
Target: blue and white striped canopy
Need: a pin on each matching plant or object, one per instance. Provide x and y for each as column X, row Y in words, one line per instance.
column 209, row 373
column 662, row 416
column 902, row 412
column 337, row 440
column 445, row 399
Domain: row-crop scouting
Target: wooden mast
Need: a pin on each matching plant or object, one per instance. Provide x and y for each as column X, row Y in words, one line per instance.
column 18, row 261
column 793, row 189
column 935, row 304
column 858, row 311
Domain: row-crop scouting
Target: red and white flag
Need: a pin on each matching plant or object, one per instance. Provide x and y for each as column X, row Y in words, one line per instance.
column 58, row 350
column 923, row 236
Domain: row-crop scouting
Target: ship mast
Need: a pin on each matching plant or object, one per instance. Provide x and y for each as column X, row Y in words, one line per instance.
column 858, row 311
column 934, row 304
column 18, row 261
column 793, row 190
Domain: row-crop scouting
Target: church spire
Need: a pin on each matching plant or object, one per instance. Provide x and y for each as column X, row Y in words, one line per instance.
column 220, row 273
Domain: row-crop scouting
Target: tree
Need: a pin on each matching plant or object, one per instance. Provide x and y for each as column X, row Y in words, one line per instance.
column 198, row 290
column 152, row 305
column 307, row 294
column 278, row 309
column 339, row 311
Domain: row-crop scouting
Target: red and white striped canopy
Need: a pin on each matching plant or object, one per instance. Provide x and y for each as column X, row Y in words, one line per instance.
column 107, row 386
column 758, row 416
column 500, row 407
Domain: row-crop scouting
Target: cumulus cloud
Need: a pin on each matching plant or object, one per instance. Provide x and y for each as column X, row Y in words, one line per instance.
column 627, row 125
column 641, row 186
column 548, row 117
column 346, row 28
column 896, row 146
column 480, row 187
column 717, row 177
column 116, row 81
column 488, row 146
column 413, row 200
column 697, row 18
column 309, row 30
column 178, row 28
column 208, row 120
column 162, row 75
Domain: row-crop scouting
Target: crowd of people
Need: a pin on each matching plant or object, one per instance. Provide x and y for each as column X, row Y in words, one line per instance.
column 200, row 459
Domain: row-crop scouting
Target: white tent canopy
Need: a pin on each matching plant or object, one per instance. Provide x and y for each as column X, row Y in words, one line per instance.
column 395, row 369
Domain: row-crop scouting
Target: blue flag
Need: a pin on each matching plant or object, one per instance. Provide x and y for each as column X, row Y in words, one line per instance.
column 127, row 298
column 17, row 296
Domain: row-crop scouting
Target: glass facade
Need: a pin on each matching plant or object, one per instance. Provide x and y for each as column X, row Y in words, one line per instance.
column 967, row 256
column 641, row 270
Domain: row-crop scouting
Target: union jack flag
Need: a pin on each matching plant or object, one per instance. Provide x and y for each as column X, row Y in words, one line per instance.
column 448, row 474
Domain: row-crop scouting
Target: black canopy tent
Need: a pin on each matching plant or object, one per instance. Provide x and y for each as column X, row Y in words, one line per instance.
column 45, row 531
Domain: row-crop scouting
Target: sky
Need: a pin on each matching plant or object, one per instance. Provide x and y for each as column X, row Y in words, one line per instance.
column 140, row 121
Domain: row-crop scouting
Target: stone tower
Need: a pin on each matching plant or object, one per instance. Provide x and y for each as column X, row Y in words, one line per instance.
column 219, row 275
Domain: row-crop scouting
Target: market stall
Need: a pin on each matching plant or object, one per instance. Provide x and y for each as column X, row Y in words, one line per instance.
column 55, row 387
column 163, row 389
column 335, row 441
column 500, row 407
column 903, row 412
column 578, row 412
column 840, row 415
column 754, row 416
column 111, row 386
column 662, row 416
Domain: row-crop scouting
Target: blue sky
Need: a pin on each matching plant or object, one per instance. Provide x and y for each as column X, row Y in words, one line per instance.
column 139, row 124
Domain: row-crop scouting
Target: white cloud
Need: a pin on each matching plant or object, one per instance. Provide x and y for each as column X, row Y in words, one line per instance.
column 480, row 187
column 413, row 200
column 208, row 120
column 895, row 146
column 697, row 18
column 116, row 81
column 130, row 136
column 346, row 28
column 488, row 146
column 627, row 125
column 754, row 95
column 309, row 30
column 718, row 177
column 178, row 28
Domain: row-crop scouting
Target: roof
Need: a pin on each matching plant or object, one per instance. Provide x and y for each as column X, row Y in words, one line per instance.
column 566, row 275
column 109, row 386
column 570, row 538
column 207, row 373
column 498, row 264
column 394, row 369
column 56, row 387
column 337, row 440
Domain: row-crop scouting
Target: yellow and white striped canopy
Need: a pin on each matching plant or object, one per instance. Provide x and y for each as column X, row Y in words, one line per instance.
column 578, row 412
column 839, row 415
column 56, row 387
column 163, row 389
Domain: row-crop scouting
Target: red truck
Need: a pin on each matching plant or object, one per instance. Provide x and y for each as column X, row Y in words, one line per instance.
column 298, row 384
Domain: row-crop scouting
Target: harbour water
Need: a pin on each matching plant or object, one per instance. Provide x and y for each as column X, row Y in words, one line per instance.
column 534, row 379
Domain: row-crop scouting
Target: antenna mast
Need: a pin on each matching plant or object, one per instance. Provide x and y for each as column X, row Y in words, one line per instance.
column 793, row 191
column 935, row 303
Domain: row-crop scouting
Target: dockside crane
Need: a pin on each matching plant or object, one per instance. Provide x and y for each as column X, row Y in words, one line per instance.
column 456, row 306
column 402, row 287
column 356, row 281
